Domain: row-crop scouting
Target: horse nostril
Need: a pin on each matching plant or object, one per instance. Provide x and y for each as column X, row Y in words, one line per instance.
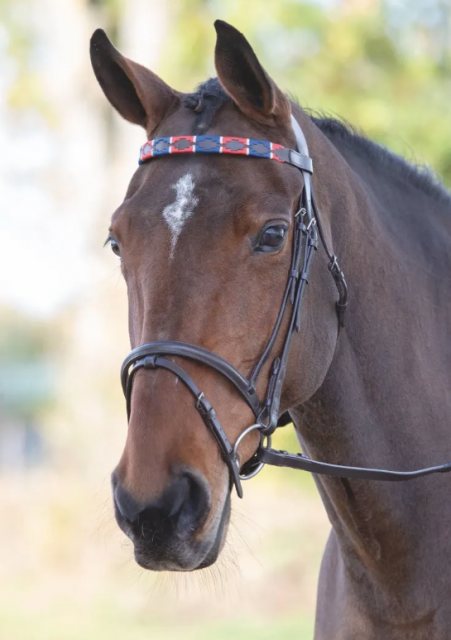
column 125, row 504
column 188, row 500
column 179, row 511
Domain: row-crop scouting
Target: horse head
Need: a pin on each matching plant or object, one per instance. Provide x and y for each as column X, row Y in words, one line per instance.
column 206, row 246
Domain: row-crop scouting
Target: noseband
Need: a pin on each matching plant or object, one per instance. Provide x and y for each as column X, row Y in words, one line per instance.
column 307, row 233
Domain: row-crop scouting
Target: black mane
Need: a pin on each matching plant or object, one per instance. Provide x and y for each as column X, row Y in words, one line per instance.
column 210, row 97
column 343, row 134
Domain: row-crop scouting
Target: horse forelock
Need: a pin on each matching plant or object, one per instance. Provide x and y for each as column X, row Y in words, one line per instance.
column 206, row 102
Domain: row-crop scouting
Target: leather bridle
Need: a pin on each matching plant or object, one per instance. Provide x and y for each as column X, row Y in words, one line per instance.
column 307, row 233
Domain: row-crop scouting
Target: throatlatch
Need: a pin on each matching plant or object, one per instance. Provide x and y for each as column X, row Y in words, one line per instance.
column 307, row 233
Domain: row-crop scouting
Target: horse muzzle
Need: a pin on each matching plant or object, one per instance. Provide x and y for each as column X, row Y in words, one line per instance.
column 175, row 532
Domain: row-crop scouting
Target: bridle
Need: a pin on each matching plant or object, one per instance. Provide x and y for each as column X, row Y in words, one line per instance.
column 307, row 234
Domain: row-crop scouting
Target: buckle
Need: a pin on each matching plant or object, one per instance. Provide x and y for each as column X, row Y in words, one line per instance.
column 148, row 362
column 334, row 267
column 202, row 404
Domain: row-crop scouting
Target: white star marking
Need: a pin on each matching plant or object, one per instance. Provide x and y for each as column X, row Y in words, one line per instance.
column 177, row 213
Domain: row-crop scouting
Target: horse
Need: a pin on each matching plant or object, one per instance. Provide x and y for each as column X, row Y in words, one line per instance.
column 206, row 244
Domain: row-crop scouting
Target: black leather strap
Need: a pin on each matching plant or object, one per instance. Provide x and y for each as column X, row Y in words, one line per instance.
column 199, row 354
column 300, row 161
column 202, row 405
column 302, row 462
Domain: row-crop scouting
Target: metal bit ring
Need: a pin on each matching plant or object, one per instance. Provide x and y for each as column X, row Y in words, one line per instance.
column 253, row 427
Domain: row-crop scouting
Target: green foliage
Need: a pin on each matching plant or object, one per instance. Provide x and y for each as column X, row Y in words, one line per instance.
column 24, row 90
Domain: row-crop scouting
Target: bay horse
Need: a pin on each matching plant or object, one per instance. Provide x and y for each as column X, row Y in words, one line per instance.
column 215, row 243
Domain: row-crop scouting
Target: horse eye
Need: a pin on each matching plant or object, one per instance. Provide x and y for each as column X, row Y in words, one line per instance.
column 114, row 244
column 271, row 238
column 115, row 247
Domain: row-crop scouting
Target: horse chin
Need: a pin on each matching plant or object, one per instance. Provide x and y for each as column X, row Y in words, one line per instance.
column 185, row 555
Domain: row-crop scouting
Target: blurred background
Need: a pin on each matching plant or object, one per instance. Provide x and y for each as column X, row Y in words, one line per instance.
column 65, row 569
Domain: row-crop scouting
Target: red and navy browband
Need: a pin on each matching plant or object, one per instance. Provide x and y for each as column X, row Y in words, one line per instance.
column 173, row 145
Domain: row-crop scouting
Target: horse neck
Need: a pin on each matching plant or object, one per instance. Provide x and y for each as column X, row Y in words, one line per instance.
column 385, row 400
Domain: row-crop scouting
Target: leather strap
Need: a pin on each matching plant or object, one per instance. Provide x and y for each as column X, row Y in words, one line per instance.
column 334, row 267
column 302, row 462
column 199, row 354
column 203, row 406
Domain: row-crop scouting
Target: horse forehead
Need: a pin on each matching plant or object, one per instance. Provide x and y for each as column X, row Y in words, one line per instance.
column 174, row 191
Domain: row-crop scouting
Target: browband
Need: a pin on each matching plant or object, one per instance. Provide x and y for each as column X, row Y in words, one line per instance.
column 172, row 145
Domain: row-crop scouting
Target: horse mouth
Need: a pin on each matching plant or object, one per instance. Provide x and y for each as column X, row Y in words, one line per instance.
column 156, row 553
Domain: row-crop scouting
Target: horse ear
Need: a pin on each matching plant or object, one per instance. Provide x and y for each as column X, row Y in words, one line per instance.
column 135, row 92
column 245, row 80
